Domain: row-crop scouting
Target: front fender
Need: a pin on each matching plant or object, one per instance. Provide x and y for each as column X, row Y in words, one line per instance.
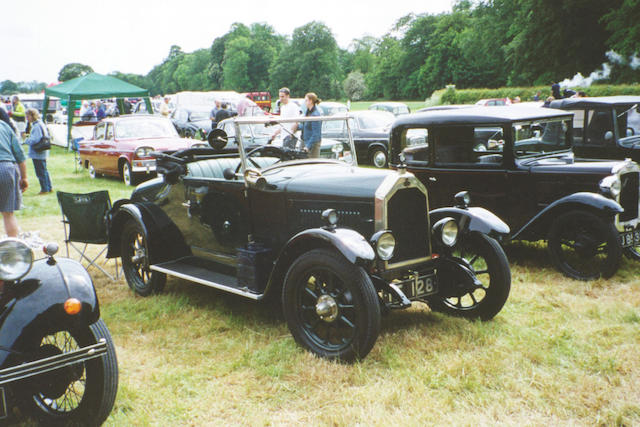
column 536, row 228
column 473, row 219
column 34, row 306
column 351, row 244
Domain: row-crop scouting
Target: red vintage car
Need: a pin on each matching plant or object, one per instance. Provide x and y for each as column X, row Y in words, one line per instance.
column 121, row 146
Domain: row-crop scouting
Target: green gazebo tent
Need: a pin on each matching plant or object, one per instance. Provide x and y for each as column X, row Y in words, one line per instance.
column 93, row 86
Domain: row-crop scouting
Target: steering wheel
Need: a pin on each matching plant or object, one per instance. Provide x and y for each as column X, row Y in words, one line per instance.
column 267, row 151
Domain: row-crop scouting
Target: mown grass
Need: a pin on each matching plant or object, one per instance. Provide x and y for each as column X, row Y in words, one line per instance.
column 561, row 352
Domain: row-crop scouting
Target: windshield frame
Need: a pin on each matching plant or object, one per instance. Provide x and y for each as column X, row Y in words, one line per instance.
column 273, row 120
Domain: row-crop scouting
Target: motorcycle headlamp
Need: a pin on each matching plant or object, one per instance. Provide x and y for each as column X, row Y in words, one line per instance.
column 611, row 186
column 446, row 231
column 384, row 244
column 16, row 259
column 144, row 151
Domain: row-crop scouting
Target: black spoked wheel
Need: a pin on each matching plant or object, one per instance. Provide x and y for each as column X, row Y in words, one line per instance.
column 483, row 299
column 80, row 394
column 331, row 306
column 584, row 246
column 633, row 253
column 135, row 262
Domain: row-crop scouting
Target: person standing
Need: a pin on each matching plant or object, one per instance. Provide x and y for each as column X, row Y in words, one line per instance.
column 38, row 130
column 18, row 114
column 101, row 112
column 164, row 107
column 312, row 131
column 223, row 113
column 4, row 116
column 214, row 111
column 288, row 109
column 13, row 178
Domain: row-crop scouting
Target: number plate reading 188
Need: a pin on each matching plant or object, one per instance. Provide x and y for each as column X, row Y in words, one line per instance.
column 417, row 287
column 630, row 238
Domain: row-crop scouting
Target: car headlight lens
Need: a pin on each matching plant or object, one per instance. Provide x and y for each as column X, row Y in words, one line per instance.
column 144, row 152
column 611, row 185
column 384, row 244
column 16, row 259
column 447, row 231
column 330, row 217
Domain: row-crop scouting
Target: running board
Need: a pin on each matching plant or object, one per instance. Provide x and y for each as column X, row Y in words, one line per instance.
column 203, row 272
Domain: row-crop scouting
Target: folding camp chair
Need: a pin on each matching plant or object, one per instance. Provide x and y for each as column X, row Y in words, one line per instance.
column 85, row 221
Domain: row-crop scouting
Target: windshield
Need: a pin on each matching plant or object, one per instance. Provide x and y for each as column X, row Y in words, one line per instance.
column 145, row 128
column 267, row 140
column 541, row 136
column 628, row 119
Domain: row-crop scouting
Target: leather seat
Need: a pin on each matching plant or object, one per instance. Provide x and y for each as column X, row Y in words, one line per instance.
column 214, row 168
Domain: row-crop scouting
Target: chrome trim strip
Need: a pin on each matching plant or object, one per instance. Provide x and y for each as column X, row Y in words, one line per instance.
column 215, row 285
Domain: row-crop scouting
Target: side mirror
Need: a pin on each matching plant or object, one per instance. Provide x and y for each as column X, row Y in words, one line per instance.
column 608, row 136
column 217, row 139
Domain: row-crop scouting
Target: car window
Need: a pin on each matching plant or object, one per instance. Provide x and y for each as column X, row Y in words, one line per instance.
column 98, row 132
column 455, row 145
column 375, row 121
column 578, row 125
column 199, row 115
column 543, row 136
column 181, row 115
column 599, row 127
column 415, row 146
column 628, row 121
column 109, row 131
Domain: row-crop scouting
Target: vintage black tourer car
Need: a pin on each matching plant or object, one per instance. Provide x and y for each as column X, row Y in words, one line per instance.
column 605, row 127
column 517, row 162
column 336, row 245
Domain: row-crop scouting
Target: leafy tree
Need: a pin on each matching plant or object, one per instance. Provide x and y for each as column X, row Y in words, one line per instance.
column 8, row 87
column 73, row 70
column 354, row 86
column 236, row 65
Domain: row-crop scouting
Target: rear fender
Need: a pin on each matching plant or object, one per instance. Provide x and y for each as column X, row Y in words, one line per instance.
column 34, row 306
column 351, row 244
column 537, row 227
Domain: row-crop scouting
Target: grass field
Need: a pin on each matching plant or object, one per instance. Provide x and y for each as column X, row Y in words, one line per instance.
column 561, row 352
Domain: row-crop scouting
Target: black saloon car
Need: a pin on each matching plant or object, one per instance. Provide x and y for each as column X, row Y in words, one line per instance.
column 370, row 131
column 604, row 127
column 192, row 122
column 517, row 162
column 337, row 245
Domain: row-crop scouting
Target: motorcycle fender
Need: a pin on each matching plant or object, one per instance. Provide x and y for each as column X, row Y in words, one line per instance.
column 34, row 306
column 584, row 200
column 473, row 219
column 163, row 237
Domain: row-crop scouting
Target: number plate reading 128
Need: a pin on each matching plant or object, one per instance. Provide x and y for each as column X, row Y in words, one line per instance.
column 630, row 238
column 417, row 287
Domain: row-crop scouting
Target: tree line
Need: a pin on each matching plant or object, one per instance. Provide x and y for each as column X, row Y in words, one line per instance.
column 479, row 44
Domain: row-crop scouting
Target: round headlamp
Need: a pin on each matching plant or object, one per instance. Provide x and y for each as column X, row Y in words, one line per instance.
column 446, row 230
column 330, row 217
column 144, row 151
column 384, row 244
column 462, row 199
column 16, row 259
column 611, row 186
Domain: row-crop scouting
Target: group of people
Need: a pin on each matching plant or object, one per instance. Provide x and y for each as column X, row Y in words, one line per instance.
column 93, row 111
column 311, row 130
column 13, row 169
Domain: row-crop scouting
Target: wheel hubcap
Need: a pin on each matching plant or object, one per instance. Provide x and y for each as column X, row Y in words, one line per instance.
column 379, row 159
column 327, row 308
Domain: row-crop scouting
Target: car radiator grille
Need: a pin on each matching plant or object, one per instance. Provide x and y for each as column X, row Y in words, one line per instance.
column 629, row 196
column 407, row 218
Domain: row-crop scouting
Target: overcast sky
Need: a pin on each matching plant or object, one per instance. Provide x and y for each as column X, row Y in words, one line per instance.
column 39, row 37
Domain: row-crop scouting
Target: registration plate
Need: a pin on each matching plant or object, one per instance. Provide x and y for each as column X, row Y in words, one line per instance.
column 630, row 238
column 417, row 287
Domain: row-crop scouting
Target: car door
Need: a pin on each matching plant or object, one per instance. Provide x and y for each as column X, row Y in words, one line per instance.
column 98, row 147
column 455, row 162
column 111, row 151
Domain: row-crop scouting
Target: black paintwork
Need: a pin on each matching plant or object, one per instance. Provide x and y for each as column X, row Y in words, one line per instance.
column 594, row 117
column 527, row 191
column 33, row 306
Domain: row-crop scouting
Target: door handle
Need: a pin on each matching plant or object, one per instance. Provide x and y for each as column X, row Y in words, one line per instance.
column 432, row 179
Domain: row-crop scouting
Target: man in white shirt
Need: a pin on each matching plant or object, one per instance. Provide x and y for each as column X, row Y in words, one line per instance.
column 288, row 109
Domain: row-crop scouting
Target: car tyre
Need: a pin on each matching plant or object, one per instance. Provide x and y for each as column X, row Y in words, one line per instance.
column 485, row 257
column 134, row 252
column 378, row 157
column 331, row 306
column 80, row 394
column 128, row 177
column 584, row 246
column 632, row 253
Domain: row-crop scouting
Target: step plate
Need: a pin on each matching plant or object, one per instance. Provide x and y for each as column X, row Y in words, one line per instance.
column 204, row 272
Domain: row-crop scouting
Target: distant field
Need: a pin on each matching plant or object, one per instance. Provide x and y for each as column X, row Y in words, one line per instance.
column 561, row 352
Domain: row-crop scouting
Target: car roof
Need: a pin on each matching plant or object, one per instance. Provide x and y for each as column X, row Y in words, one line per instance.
column 479, row 116
column 390, row 103
column 595, row 101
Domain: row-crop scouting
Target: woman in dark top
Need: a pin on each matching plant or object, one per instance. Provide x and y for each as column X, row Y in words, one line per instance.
column 312, row 131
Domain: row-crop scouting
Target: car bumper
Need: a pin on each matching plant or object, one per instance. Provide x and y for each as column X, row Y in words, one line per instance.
column 146, row 166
